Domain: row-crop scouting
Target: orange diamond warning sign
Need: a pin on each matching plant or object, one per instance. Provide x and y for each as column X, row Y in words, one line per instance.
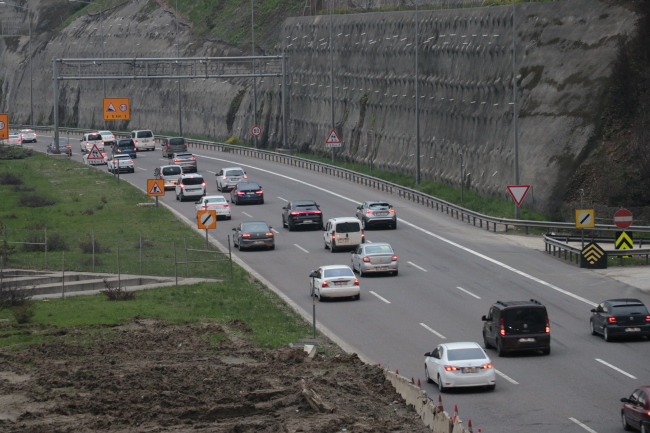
column 117, row 109
column 155, row 187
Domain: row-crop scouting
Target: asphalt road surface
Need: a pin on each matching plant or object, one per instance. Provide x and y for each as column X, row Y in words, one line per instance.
column 450, row 273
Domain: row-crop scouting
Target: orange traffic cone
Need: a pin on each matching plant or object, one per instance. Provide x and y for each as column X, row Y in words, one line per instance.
column 455, row 412
column 419, row 386
column 412, row 381
column 469, row 426
column 396, row 371
column 440, row 403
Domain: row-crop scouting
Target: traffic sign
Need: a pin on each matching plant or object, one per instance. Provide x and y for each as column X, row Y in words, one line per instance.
column 256, row 130
column 333, row 140
column 585, row 218
column 95, row 153
column 518, row 192
column 593, row 257
column 155, row 187
column 624, row 241
column 207, row 219
column 117, row 109
column 623, row 218
column 4, row 126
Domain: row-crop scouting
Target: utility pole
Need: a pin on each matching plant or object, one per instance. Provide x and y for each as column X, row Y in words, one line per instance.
column 254, row 78
column 331, row 72
column 514, row 102
column 178, row 54
column 417, row 101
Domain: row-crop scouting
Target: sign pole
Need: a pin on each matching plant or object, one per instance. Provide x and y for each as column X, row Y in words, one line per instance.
column 582, row 231
column 206, row 239
column 156, row 202
column 313, row 299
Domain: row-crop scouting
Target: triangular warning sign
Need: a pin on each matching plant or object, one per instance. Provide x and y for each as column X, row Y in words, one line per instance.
column 155, row 189
column 333, row 138
column 518, row 192
column 95, row 153
column 110, row 108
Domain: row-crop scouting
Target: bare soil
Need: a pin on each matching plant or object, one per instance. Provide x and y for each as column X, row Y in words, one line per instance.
column 152, row 376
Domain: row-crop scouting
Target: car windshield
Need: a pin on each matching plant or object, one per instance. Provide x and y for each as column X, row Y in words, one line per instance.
column 14, row 136
column 351, row 227
column 379, row 206
column 248, row 186
column 379, row 249
column 122, row 157
column 192, row 180
column 306, row 206
column 105, row 132
column 177, row 141
column 465, row 354
column 214, row 200
column 26, row 131
column 125, row 143
column 525, row 319
column 183, row 155
column 145, row 134
column 169, row 171
column 94, row 137
column 338, row 272
column 254, row 227
column 624, row 310
column 61, row 142
column 234, row 173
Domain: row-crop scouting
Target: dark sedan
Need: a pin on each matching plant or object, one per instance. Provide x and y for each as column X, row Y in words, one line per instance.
column 635, row 413
column 302, row 213
column 125, row 146
column 253, row 234
column 247, row 192
column 64, row 147
column 620, row 317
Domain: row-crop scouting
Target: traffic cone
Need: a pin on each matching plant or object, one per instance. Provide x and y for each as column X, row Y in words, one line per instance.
column 479, row 430
column 396, row 371
column 412, row 381
column 469, row 426
column 419, row 386
column 379, row 365
column 440, row 403
column 455, row 412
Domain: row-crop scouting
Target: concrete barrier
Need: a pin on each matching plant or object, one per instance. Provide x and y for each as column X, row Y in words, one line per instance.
column 438, row 421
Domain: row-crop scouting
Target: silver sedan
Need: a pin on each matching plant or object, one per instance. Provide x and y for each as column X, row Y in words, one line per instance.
column 374, row 258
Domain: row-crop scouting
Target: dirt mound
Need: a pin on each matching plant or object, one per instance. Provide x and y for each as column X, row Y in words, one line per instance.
column 149, row 375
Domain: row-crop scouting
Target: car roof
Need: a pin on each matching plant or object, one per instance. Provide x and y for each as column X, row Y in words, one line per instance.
column 335, row 267
column 619, row 302
column 168, row 166
column 186, row 176
column 531, row 303
column 376, row 201
column 233, row 168
column 214, row 196
column 374, row 244
column 344, row 219
column 297, row 202
column 461, row 345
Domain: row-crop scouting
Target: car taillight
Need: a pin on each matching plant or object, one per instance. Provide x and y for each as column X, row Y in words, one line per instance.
column 245, row 177
column 192, row 159
column 118, row 150
column 269, row 234
column 130, row 160
column 227, row 205
column 136, row 141
column 240, row 193
column 356, row 282
column 487, row 366
column 87, row 143
column 391, row 210
column 102, row 143
column 548, row 328
column 451, row 368
column 394, row 258
column 203, row 184
column 295, row 213
column 368, row 212
column 362, row 233
column 259, row 192
column 647, row 318
column 176, row 160
column 325, row 284
column 154, row 141
column 503, row 329
column 182, row 186
column 246, row 235
column 318, row 211
column 612, row 320
column 224, row 178
column 366, row 259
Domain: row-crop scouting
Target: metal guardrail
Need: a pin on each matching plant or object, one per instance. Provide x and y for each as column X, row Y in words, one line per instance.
column 401, row 191
column 555, row 245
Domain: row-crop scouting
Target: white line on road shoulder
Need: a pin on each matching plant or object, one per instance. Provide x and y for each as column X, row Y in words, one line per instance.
column 615, row 368
column 420, row 268
column 283, row 199
column 508, row 378
column 435, row 332
column 206, row 170
column 273, row 230
column 301, row 248
column 139, row 168
column 590, row 430
column 468, row 292
column 380, row 297
column 250, row 216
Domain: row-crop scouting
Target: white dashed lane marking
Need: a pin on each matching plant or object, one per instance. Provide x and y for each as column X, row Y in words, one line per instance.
column 380, row 297
column 250, row 216
column 468, row 292
column 433, row 331
column 508, row 378
column 590, row 430
column 419, row 267
column 616, row 368
column 301, row 248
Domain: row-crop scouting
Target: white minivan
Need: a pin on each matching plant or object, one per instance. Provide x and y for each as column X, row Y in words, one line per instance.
column 144, row 140
column 345, row 232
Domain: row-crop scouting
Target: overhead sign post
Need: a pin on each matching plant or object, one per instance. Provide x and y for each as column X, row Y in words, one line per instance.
column 117, row 109
column 585, row 220
column 206, row 219
column 4, row 126
column 155, row 188
column 518, row 192
column 623, row 218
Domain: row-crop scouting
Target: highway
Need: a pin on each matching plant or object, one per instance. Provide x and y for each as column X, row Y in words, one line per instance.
column 450, row 273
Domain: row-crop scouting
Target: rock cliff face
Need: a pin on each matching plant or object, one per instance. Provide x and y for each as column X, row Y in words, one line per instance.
column 564, row 54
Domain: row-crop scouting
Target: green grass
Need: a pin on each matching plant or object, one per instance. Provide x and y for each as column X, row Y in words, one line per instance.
column 272, row 322
column 117, row 221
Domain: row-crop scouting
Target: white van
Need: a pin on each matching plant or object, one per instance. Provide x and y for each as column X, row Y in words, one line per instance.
column 345, row 232
column 144, row 140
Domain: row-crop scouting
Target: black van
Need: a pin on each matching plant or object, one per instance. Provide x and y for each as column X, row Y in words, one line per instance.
column 173, row 145
column 517, row 326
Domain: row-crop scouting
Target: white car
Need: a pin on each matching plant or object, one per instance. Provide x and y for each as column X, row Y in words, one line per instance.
column 228, row 178
column 190, row 186
column 123, row 163
column 13, row 140
column 459, row 365
column 144, row 140
column 93, row 161
column 107, row 137
column 334, row 281
column 28, row 135
column 343, row 232
column 90, row 140
column 217, row 203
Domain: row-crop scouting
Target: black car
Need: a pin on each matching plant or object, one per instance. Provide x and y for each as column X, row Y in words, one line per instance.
column 125, row 146
column 253, row 234
column 517, row 326
column 64, row 147
column 618, row 317
column 247, row 192
column 301, row 213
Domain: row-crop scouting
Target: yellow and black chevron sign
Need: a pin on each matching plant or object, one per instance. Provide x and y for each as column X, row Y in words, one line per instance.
column 624, row 241
column 593, row 257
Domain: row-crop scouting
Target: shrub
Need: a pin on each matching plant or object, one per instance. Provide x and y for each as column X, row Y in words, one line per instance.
column 88, row 212
column 34, row 201
column 117, row 293
column 12, row 296
column 24, row 313
column 86, row 247
column 23, row 189
column 89, row 262
column 55, row 242
column 8, row 216
column 10, row 179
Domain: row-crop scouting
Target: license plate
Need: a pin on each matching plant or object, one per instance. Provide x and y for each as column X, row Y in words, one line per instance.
column 234, row 180
column 381, row 268
column 526, row 340
column 343, row 240
column 381, row 213
column 632, row 329
column 469, row 370
column 307, row 221
column 250, row 193
column 259, row 242
column 339, row 283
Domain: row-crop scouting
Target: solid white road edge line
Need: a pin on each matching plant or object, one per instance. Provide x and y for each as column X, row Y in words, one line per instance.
column 431, row 330
column 615, row 368
column 382, row 298
column 301, row 248
column 468, row 292
column 420, row 268
column 590, row 430
column 248, row 215
column 508, row 378
column 452, row 243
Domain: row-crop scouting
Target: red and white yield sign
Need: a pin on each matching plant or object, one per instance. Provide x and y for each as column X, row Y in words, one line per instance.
column 623, row 218
column 518, row 192
column 256, row 130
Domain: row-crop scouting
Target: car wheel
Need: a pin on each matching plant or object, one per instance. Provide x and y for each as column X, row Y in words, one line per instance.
column 441, row 387
column 272, row 247
column 357, row 297
column 284, row 225
column 485, row 343
column 546, row 351
column 606, row 335
column 239, row 246
column 626, row 426
column 318, row 295
column 361, row 273
column 592, row 328
column 395, row 273
column 326, row 247
column 426, row 374
column 500, row 352
column 332, row 250
column 491, row 387
column 290, row 226
column 363, row 223
column 176, row 197
column 395, row 228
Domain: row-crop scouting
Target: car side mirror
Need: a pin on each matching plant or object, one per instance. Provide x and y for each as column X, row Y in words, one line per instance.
column 197, row 202
column 625, row 400
column 270, row 228
column 227, row 201
column 284, row 208
column 234, row 229
column 427, row 354
column 484, row 319
column 593, row 310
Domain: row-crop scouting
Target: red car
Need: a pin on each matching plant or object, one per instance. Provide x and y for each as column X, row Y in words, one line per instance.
column 635, row 413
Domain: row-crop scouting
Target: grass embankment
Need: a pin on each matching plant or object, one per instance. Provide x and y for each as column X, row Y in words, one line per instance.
column 72, row 200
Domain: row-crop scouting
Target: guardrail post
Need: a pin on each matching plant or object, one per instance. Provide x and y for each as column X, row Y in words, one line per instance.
column 526, row 229
column 506, row 228
column 474, row 218
column 495, row 227
column 553, row 250
column 578, row 258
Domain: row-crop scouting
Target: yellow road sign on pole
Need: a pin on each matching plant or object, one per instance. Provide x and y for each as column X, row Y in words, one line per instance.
column 207, row 219
column 585, row 219
column 155, row 187
column 117, row 109
column 4, row 126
